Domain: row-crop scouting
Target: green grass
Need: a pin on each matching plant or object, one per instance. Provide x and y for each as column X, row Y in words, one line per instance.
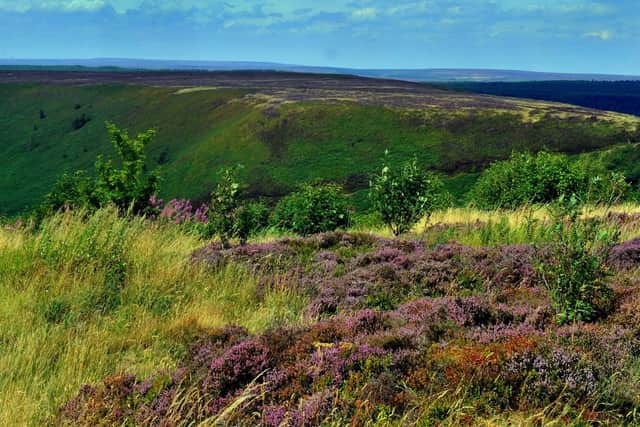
column 201, row 131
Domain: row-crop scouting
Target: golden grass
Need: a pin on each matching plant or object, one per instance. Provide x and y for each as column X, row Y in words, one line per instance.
column 44, row 359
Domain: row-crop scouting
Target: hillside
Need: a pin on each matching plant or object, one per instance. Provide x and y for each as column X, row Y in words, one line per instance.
column 285, row 128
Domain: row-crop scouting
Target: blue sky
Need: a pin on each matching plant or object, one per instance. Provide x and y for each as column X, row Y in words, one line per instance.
column 540, row 35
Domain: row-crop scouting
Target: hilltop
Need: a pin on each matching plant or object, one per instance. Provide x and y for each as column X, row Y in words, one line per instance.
column 415, row 74
column 286, row 128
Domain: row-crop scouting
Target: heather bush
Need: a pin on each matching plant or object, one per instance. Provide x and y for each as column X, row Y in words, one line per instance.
column 313, row 209
column 405, row 195
column 625, row 256
column 177, row 211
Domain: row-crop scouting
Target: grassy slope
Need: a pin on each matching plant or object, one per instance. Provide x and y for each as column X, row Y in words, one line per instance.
column 201, row 131
column 62, row 322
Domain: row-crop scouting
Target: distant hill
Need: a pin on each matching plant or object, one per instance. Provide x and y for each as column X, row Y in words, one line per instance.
column 285, row 128
column 419, row 75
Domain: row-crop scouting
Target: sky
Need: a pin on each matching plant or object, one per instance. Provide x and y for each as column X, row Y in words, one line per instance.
column 537, row 35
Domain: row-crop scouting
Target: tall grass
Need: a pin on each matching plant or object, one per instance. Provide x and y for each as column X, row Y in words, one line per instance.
column 84, row 297
column 477, row 227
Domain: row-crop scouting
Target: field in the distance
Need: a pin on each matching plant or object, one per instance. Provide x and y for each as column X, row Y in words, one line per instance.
column 285, row 128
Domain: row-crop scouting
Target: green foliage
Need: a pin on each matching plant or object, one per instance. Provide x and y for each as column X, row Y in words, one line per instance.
column 527, row 178
column 575, row 272
column 543, row 178
column 313, row 209
column 71, row 190
column 225, row 200
column 205, row 130
column 128, row 187
column 404, row 195
column 608, row 189
column 250, row 219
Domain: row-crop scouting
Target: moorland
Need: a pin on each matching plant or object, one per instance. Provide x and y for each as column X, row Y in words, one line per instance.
column 484, row 271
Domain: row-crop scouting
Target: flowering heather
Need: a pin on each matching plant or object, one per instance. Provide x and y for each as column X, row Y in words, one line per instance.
column 626, row 256
column 178, row 211
column 392, row 324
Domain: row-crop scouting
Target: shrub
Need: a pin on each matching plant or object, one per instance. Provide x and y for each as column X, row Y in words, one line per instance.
column 574, row 271
column 249, row 219
column 224, row 202
column 313, row 209
column 403, row 196
column 71, row 190
column 130, row 187
column 527, row 178
column 229, row 216
column 543, row 178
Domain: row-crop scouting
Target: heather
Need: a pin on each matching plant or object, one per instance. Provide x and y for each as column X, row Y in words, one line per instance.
column 393, row 331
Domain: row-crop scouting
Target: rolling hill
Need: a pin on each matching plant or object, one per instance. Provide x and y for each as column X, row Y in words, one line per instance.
column 418, row 75
column 285, row 128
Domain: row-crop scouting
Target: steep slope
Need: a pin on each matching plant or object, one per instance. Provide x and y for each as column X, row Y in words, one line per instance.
column 284, row 128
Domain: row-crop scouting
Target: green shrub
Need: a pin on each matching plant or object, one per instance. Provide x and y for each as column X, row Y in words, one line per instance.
column 230, row 216
column 608, row 189
column 250, row 219
column 313, row 209
column 543, row 178
column 405, row 195
column 128, row 187
column 225, row 200
column 574, row 270
column 71, row 190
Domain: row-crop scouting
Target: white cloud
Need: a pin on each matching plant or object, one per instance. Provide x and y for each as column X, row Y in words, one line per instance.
column 366, row 13
column 602, row 35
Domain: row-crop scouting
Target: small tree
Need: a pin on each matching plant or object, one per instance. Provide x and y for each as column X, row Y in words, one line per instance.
column 249, row 219
column 130, row 186
column 313, row 209
column 404, row 195
column 574, row 270
column 225, row 200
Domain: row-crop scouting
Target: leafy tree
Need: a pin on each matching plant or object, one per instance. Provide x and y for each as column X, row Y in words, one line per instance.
column 225, row 200
column 404, row 195
column 127, row 187
column 313, row 209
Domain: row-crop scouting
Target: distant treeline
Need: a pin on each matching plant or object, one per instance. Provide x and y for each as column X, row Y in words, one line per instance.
column 621, row 96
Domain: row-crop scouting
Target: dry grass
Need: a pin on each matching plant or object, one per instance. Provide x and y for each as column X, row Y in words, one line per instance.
column 54, row 338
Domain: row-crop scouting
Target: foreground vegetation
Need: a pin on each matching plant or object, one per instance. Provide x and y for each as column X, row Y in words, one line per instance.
column 398, row 331
column 85, row 297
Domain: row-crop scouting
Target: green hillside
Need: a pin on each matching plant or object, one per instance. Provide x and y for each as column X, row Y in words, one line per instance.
column 48, row 129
